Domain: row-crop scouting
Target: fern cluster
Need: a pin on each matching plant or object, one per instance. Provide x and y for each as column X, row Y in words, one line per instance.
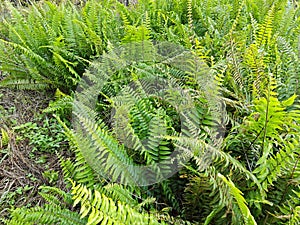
column 164, row 110
column 50, row 45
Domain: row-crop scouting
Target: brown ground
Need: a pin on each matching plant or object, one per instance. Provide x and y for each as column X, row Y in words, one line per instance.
column 18, row 107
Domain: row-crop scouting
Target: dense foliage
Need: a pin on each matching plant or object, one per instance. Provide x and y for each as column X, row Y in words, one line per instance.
column 249, row 50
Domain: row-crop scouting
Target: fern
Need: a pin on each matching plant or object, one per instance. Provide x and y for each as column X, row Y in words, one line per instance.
column 48, row 214
column 101, row 209
column 265, row 32
column 269, row 150
column 121, row 193
column 62, row 104
column 234, row 59
column 52, row 43
column 79, row 170
column 270, row 121
column 151, row 111
column 248, row 218
column 289, row 213
column 56, row 212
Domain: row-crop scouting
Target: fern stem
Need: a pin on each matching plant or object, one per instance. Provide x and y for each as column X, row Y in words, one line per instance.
column 252, row 143
column 247, row 160
column 267, row 115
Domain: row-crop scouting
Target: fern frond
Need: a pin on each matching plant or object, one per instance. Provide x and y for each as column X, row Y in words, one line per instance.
column 290, row 211
column 237, row 194
column 62, row 104
column 55, row 196
column 233, row 56
column 101, row 209
column 265, row 32
column 48, row 214
column 78, row 170
column 206, row 155
column 112, row 158
column 119, row 192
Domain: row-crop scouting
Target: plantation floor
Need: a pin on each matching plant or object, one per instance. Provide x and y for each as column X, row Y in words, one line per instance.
column 20, row 173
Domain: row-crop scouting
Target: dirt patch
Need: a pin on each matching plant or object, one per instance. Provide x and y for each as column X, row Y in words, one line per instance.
column 20, row 175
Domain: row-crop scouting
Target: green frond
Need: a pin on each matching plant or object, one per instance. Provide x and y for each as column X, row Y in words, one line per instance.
column 126, row 16
column 48, row 214
column 265, row 32
column 112, row 159
column 55, row 196
column 100, row 209
column 62, row 104
column 237, row 194
column 78, row 169
column 121, row 193
column 136, row 34
column 290, row 211
column 269, row 122
column 170, row 195
column 233, row 56
column 156, row 147
column 254, row 27
column 199, row 198
column 255, row 61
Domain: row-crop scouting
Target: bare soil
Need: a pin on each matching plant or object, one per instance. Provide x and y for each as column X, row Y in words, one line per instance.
column 17, row 169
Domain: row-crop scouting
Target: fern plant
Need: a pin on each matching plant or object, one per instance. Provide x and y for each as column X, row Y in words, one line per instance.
column 56, row 211
column 268, row 151
column 50, row 45
column 247, row 49
column 101, row 209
